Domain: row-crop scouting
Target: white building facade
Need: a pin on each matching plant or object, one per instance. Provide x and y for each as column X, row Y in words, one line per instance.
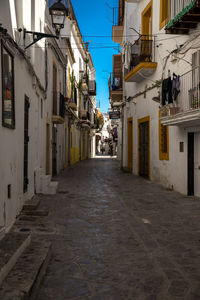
column 35, row 116
column 160, row 116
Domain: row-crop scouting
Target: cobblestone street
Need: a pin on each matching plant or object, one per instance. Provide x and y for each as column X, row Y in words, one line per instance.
column 117, row 236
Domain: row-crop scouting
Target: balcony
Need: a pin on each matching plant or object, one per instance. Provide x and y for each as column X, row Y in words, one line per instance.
column 184, row 15
column 85, row 81
column 92, row 88
column 116, row 89
column 142, row 62
column 117, row 34
column 185, row 111
column 58, row 115
column 83, row 114
column 116, row 80
column 118, row 28
column 85, row 117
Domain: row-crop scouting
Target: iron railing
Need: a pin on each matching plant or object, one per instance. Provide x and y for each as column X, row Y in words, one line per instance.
column 55, row 99
column 177, row 6
column 118, row 14
column 143, row 50
column 189, row 97
column 84, row 77
column 92, row 87
column 117, row 82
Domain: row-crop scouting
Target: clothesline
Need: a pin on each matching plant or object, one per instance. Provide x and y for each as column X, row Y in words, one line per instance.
column 197, row 67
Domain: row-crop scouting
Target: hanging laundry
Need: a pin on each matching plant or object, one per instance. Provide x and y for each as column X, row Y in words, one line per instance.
column 175, row 86
column 167, row 91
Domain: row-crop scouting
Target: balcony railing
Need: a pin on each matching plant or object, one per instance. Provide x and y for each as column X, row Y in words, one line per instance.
column 180, row 10
column 92, row 87
column 84, row 77
column 178, row 6
column 85, row 115
column 117, row 83
column 189, row 97
column 118, row 14
column 143, row 50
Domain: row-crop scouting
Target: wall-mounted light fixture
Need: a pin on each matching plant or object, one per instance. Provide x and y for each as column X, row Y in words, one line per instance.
column 58, row 13
column 37, row 36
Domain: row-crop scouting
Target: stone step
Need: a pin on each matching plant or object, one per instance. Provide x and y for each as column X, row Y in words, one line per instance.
column 32, row 204
column 35, row 213
column 11, row 248
column 24, row 280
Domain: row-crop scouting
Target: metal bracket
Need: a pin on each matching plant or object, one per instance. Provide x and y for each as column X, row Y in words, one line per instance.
column 38, row 36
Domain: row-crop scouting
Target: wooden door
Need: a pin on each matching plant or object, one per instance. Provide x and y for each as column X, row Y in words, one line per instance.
column 130, row 144
column 190, row 163
column 144, row 149
column 54, row 151
column 26, row 141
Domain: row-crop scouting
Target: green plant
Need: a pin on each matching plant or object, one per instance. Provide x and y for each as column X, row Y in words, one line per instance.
column 195, row 102
column 86, row 60
column 73, row 82
column 79, row 85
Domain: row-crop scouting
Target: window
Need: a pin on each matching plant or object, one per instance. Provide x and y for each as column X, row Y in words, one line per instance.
column 8, row 107
column 163, row 141
column 164, row 12
column 147, row 20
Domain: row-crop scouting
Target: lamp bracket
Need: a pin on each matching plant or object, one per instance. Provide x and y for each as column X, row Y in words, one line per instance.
column 38, row 36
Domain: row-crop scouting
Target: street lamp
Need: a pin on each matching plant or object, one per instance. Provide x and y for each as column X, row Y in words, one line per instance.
column 58, row 13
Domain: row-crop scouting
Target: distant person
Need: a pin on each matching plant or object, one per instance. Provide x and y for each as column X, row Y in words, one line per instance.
column 111, row 148
column 102, row 148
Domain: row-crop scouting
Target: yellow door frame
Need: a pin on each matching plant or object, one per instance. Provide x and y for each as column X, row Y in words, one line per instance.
column 143, row 120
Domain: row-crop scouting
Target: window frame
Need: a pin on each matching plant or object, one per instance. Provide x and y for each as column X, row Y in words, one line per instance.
column 147, row 9
column 4, row 124
column 163, row 22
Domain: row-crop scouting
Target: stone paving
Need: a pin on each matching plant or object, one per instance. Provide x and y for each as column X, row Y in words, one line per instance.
column 116, row 236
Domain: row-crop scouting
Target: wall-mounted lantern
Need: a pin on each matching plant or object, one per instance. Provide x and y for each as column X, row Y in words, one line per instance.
column 58, row 13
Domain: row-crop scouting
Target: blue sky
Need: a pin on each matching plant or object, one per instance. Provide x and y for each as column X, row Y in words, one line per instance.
column 95, row 19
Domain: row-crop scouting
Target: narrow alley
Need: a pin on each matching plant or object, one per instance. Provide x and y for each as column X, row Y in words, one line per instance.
column 117, row 236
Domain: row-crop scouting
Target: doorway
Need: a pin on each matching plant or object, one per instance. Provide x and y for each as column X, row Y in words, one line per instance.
column 191, row 164
column 26, row 141
column 130, row 144
column 47, row 149
column 144, row 148
column 54, row 150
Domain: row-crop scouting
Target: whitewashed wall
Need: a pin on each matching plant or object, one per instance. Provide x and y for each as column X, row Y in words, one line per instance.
column 172, row 173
